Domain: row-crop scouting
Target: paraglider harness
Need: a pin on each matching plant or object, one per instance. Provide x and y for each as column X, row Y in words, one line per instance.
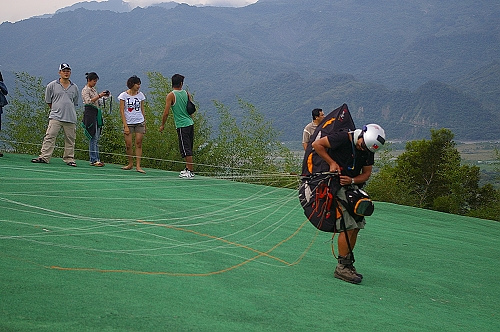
column 318, row 197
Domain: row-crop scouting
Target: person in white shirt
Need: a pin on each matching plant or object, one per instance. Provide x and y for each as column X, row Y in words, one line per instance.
column 132, row 113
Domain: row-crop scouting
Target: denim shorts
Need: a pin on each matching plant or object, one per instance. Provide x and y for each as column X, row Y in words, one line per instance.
column 139, row 128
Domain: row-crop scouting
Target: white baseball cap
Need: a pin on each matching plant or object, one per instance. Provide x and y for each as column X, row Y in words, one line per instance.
column 63, row 66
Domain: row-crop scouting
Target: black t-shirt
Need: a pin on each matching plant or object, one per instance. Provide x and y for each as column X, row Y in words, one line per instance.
column 344, row 152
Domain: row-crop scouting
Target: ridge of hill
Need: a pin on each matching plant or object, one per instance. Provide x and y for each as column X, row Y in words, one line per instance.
column 387, row 55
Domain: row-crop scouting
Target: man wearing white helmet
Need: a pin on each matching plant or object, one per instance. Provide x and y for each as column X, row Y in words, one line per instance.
column 351, row 154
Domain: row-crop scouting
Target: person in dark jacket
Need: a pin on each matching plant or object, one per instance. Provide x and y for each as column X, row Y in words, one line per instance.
column 92, row 116
column 3, row 100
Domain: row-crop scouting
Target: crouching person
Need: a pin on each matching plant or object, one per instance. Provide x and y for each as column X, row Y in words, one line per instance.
column 351, row 155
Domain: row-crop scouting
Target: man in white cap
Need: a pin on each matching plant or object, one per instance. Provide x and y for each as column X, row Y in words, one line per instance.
column 62, row 97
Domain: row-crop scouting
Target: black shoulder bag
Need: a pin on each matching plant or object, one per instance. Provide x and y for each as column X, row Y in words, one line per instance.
column 190, row 107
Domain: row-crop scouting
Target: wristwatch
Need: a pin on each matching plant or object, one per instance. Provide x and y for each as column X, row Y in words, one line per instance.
column 352, row 180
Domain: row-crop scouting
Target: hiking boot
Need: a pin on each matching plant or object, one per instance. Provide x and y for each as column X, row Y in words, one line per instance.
column 355, row 272
column 186, row 174
column 344, row 272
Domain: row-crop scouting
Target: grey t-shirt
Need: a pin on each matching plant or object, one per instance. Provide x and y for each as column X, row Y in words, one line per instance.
column 308, row 131
column 64, row 101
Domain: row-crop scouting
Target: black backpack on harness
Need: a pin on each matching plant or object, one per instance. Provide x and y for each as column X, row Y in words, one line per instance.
column 358, row 203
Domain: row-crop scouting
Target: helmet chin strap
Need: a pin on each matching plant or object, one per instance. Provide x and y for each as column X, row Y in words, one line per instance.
column 355, row 137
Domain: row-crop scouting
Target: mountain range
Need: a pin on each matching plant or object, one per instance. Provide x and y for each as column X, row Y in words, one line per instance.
column 407, row 65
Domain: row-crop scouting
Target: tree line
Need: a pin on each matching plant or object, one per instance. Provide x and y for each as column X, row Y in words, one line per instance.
column 429, row 174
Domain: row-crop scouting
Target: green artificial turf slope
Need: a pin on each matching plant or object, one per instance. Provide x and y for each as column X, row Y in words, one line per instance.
column 103, row 249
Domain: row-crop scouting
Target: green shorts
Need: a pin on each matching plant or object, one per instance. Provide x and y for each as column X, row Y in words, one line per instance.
column 350, row 222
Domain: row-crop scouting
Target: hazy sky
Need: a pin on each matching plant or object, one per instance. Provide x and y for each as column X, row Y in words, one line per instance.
column 16, row 10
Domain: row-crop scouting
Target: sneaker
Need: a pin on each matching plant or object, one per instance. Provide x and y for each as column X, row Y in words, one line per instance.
column 344, row 272
column 186, row 174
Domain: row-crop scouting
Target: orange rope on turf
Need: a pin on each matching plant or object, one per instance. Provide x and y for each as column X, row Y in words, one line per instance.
column 333, row 245
column 260, row 254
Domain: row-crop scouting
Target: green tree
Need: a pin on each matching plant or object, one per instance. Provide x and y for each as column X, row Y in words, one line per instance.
column 250, row 150
column 384, row 179
column 26, row 115
column 488, row 199
column 429, row 174
column 426, row 164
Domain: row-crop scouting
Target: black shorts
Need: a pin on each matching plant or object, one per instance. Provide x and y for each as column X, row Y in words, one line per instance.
column 186, row 135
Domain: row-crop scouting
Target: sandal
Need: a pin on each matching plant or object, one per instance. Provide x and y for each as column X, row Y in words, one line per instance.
column 39, row 161
column 71, row 163
column 97, row 164
column 127, row 167
column 140, row 170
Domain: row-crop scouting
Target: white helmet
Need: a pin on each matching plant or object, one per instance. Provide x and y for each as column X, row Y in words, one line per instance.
column 374, row 136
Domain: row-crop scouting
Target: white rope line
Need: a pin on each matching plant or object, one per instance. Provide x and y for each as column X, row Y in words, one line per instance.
column 226, row 225
column 154, row 237
column 233, row 169
column 196, row 246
